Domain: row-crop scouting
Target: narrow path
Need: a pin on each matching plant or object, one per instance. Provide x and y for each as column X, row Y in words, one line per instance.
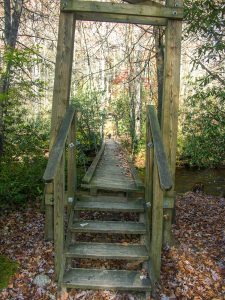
column 113, row 171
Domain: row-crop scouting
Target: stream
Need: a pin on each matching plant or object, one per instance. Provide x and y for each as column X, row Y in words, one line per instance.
column 212, row 179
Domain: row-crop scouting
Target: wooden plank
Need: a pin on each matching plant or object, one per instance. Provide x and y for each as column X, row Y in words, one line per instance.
column 90, row 172
column 114, row 18
column 63, row 68
column 49, row 213
column 159, row 152
column 148, row 2
column 135, row 175
column 109, row 227
column 110, row 187
column 108, row 251
column 123, row 9
column 71, row 161
column 171, row 89
column 157, row 225
column 59, row 188
column 105, row 279
column 59, row 145
column 109, row 206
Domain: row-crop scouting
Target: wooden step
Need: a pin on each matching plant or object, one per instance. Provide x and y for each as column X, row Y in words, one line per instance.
column 108, row 227
column 109, row 206
column 103, row 198
column 105, row 279
column 108, row 251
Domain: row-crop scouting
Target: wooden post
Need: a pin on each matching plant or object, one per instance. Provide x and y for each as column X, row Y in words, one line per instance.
column 72, row 176
column 61, row 92
column 49, row 202
column 171, row 87
column 157, row 225
column 149, row 171
column 59, row 190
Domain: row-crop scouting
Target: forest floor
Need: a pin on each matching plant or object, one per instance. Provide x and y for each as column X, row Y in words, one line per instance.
column 193, row 269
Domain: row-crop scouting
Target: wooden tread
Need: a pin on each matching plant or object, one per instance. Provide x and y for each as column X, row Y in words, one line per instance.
column 108, row 227
column 109, row 206
column 108, row 251
column 105, row 279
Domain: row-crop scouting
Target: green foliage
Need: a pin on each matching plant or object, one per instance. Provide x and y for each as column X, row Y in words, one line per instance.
column 25, row 131
column 24, row 161
column 204, row 127
column 90, row 123
column 7, row 270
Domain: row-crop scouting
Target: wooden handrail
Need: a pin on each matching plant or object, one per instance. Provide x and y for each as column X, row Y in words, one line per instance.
column 165, row 178
column 59, row 145
column 88, row 176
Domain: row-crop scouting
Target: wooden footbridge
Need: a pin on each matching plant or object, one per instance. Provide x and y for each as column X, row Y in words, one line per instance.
column 112, row 215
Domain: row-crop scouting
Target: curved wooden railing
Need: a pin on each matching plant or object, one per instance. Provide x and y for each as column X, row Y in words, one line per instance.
column 62, row 153
column 157, row 180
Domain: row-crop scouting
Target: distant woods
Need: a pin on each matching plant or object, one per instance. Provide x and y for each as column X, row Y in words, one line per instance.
column 118, row 70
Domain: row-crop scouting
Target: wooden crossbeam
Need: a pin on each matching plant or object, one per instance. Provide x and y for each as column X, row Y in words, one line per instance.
column 115, row 18
column 122, row 9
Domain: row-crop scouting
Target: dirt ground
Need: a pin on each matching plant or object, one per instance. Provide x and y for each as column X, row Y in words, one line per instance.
column 193, row 269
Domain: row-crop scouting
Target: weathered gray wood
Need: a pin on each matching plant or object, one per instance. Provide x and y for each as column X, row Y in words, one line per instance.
column 135, row 175
column 110, row 187
column 123, row 9
column 59, row 145
column 148, row 2
column 103, row 198
column 59, row 188
column 157, row 224
column 91, row 170
column 115, row 18
column 166, row 182
column 49, row 232
column 61, row 91
column 107, row 251
column 109, row 206
column 171, row 89
column 71, row 165
column 105, row 279
column 63, row 68
column 108, row 227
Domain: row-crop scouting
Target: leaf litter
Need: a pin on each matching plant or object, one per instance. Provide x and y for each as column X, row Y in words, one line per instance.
column 192, row 269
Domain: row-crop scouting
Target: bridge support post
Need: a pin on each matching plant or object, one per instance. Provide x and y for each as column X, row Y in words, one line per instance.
column 170, row 105
column 61, row 92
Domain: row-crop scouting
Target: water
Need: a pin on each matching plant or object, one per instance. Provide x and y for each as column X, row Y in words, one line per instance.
column 212, row 179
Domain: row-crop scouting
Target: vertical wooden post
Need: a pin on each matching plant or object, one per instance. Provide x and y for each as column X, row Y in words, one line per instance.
column 72, row 176
column 149, row 171
column 61, row 92
column 157, row 225
column 171, row 87
column 49, row 202
column 59, row 191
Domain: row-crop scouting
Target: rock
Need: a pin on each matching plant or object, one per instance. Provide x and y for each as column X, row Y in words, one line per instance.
column 41, row 280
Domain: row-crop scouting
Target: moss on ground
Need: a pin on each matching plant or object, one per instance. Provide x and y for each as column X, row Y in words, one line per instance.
column 7, row 270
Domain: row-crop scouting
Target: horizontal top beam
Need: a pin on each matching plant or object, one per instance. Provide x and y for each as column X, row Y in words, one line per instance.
column 122, row 9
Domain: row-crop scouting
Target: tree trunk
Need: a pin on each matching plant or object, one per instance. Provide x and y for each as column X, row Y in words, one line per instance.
column 12, row 22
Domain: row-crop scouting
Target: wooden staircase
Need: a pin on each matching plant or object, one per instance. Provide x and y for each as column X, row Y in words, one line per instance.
column 86, row 278
column 114, row 224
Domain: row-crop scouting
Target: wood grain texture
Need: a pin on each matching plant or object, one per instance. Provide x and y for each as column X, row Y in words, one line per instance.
column 59, row 145
column 105, row 279
column 115, row 18
column 59, row 188
column 108, row 227
column 171, row 89
column 123, row 9
column 166, row 182
column 107, row 251
column 91, row 170
column 109, row 206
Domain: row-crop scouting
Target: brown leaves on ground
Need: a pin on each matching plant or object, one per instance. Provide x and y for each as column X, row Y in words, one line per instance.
column 194, row 269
